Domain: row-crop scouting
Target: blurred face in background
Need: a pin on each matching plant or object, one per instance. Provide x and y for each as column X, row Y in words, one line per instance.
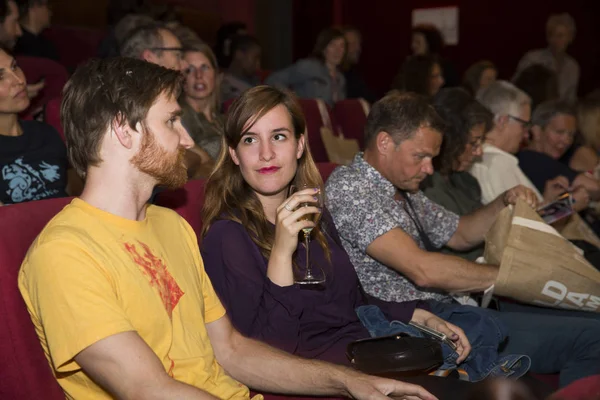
column 41, row 13
column 473, row 149
column 516, row 128
column 419, row 45
column 556, row 137
column 334, row 52
column 488, row 76
column 559, row 38
column 10, row 30
column 200, row 76
column 354, row 46
column 13, row 93
column 436, row 79
column 249, row 60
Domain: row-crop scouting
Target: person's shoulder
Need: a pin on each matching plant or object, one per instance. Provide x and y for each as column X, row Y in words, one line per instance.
column 33, row 127
column 342, row 175
column 226, row 228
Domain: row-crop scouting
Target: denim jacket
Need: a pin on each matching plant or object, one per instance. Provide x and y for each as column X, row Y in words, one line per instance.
column 485, row 334
column 310, row 79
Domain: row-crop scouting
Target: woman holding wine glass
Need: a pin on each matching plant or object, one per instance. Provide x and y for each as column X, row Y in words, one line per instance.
column 253, row 220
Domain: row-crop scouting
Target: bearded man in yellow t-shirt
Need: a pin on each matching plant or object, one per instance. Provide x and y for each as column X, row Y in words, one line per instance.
column 116, row 288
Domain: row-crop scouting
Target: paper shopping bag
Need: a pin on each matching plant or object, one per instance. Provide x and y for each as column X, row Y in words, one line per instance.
column 537, row 265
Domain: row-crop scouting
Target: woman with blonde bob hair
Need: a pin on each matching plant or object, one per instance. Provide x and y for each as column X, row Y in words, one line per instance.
column 250, row 243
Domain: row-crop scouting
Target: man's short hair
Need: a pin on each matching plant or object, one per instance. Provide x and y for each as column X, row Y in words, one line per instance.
column 243, row 43
column 142, row 38
column 544, row 113
column 103, row 92
column 4, row 10
column 502, row 98
column 401, row 115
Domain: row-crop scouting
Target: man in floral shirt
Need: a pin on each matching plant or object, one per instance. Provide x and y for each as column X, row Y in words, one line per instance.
column 392, row 231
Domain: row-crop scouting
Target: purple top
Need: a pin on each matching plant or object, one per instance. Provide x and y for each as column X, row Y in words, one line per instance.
column 307, row 322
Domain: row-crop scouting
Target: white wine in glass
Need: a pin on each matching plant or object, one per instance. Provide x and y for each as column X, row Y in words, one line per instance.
column 310, row 278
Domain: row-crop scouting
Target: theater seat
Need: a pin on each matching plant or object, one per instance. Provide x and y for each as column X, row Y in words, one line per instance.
column 187, row 201
column 54, row 74
column 25, row 370
column 317, row 115
column 582, row 389
column 52, row 116
column 326, row 168
column 351, row 116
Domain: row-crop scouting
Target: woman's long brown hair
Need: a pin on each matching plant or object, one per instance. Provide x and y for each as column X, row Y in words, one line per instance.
column 228, row 196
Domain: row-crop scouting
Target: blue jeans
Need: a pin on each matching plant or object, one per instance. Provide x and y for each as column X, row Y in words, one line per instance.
column 555, row 343
column 485, row 333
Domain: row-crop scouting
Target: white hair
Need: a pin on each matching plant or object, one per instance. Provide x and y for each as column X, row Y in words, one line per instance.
column 503, row 98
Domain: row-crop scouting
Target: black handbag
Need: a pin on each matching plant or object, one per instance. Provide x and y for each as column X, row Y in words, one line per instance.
column 398, row 354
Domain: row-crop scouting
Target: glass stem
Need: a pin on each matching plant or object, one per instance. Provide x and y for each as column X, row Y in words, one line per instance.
column 306, row 244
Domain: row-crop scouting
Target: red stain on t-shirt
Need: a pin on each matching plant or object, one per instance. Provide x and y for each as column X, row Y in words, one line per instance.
column 158, row 276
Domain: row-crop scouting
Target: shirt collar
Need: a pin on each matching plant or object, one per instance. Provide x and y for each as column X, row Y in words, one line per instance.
column 491, row 149
column 373, row 176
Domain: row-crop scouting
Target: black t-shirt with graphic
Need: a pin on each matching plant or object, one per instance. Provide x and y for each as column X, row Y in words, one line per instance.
column 33, row 166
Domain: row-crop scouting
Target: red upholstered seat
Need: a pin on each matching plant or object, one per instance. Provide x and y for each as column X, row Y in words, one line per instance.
column 75, row 45
column 351, row 116
column 227, row 104
column 582, row 389
column 187, row 202
column 326, row 168
column 25, row 372
column 52, row 116
column 317, row 115
column 54, row 74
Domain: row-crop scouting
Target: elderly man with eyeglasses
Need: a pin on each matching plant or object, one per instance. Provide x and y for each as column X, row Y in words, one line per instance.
column 498, row 170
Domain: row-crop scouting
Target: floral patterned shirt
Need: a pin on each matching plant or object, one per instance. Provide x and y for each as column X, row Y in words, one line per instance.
column 363, row 207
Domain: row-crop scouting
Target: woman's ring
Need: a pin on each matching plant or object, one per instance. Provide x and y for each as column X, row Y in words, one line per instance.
column 287, row 207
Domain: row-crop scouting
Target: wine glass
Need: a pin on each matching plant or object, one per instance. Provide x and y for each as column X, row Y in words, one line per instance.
column 310, row 277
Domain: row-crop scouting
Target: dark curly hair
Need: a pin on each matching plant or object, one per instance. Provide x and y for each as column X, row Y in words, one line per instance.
column 461, row 113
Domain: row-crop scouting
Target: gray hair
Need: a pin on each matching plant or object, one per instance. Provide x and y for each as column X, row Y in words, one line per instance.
column 130, row 23
column 563, row 19
column 502, row 98
column 545, row 112
column 142, row 38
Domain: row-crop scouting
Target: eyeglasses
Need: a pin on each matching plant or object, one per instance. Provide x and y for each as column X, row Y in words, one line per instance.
column 179, row 50
column 525, row 124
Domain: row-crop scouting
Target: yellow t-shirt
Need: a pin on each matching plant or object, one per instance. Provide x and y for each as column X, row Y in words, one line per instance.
column 91, row 274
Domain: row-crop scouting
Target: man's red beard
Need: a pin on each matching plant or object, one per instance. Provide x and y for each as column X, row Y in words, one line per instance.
column 167, row 168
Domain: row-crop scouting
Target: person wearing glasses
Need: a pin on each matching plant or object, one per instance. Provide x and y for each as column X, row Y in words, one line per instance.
column 498, row 169
column 157, row 44
column 200, row 97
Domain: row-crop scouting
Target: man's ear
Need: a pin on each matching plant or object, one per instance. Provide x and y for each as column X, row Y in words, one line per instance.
column 150, row 56
column 122, row 131
column 384, row 142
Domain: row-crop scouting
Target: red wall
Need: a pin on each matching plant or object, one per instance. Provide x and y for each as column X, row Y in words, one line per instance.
column 501, row 31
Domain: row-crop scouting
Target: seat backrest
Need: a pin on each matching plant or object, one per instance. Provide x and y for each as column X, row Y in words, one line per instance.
column 54, row 74
column 317, row 115
column 587, row 388
column 351, row 116
column 75, row 45
column 26, row 373
column 52, row 116
column 326, row 168
column 186, row 201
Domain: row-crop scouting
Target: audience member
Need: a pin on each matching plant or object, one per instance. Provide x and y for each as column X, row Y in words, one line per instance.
column 158, row 45
column 583, row 156
column 479, row 75
column 242, row 73
column 356, row 87
column 421, row 74
column 428, row 40
column 554, row 124
column 318, row 76
column 225, row 35
column 35, row 18
column 117, row 289
column 391, row 232
column 10, row 30
column 33, row 158
column 560, row 32
column 498, row 170
column 200, row 98
column 539, row 82
column 125, row 15
column 466, row 122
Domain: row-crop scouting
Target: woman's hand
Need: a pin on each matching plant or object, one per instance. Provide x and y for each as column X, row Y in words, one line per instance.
column 290, row 220
column 554, row 188
column 453, row 332
column 523, row 193
column 581, row 199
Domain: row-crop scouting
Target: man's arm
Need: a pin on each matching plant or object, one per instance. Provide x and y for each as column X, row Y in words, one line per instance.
column 267, row 369
column 473, row 227
column 398, row 250
column 124, row 366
